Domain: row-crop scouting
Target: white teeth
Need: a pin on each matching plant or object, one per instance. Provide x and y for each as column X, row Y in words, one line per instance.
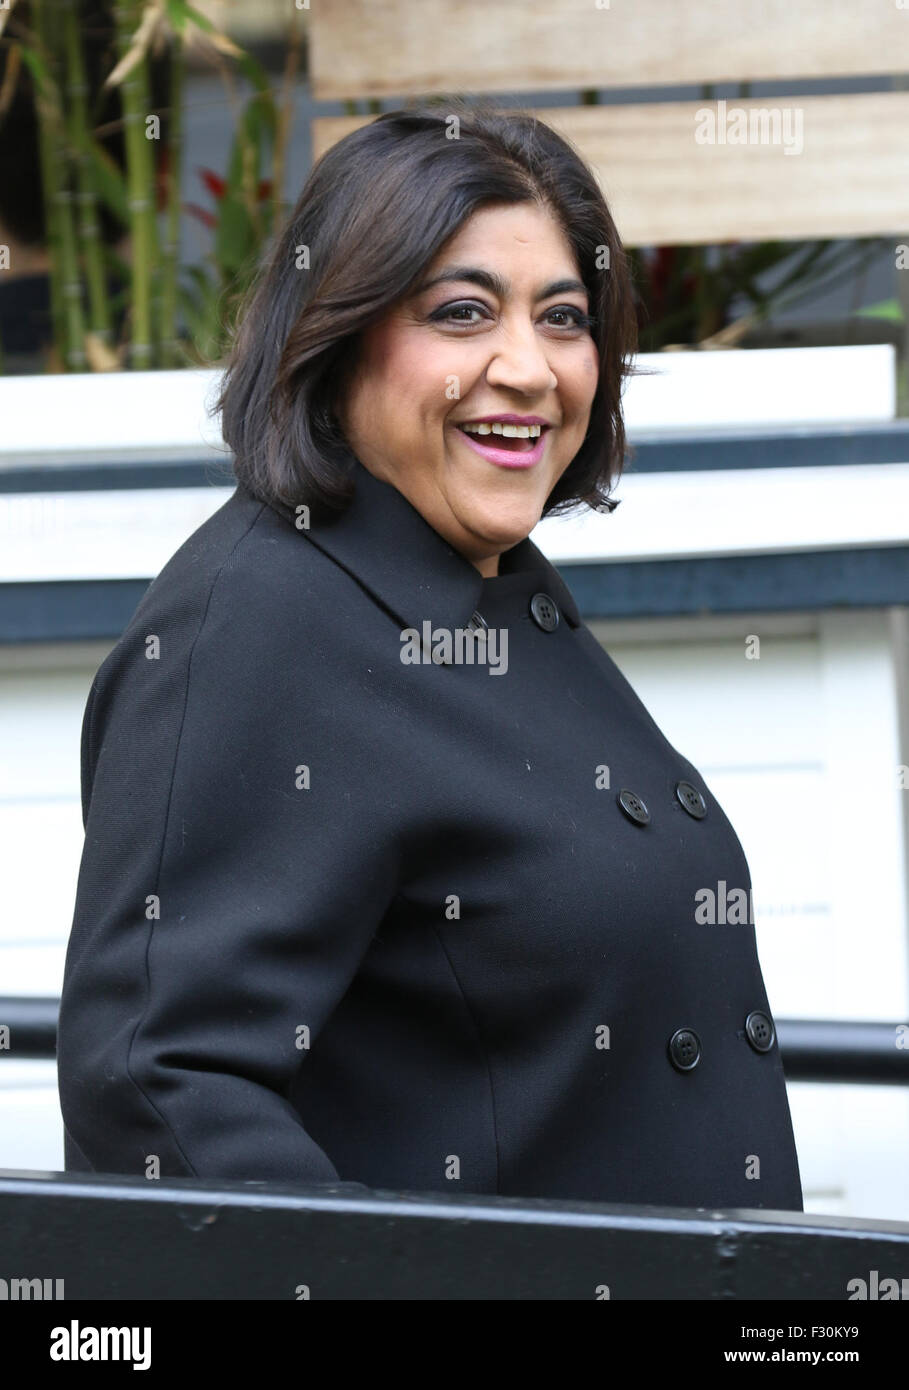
column 509, row 431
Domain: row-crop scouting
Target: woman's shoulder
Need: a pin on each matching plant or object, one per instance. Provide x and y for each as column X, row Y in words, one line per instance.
column 246, row 581
column 245, row 555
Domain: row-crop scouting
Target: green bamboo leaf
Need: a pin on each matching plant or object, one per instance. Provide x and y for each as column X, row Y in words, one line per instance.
column 751, row 291
column 241, row 152
column 809, row 260
column 191, row 308
column 198, row 292
column 752, row 260
column 254, row 73
column 890, row 309
column 109, row 182
column 246, row 63
column 234, row 237
column 202, row 309
column 853, row 254
column 261, row 116
column 199, row 275
column 177, row 15
column 857, row 259
column 37, row 67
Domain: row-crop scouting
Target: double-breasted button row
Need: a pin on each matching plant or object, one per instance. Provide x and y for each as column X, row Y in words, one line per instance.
column 684, row 1047
column 543, row 609
column 688, row 795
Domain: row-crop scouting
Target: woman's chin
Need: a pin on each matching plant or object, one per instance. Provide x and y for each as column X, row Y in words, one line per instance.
column 503, row 533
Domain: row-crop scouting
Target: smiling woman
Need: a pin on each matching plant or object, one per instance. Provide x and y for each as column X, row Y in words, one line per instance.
column 444, row 260
column 501, row 320
column 349, row 910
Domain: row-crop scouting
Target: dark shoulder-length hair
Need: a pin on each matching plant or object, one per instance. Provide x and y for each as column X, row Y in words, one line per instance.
column 374, row 212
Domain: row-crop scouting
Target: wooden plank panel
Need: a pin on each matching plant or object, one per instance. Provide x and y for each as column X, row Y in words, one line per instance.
column 851, row 177
column 400, row 47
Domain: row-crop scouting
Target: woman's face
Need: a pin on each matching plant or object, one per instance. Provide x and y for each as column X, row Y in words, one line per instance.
column 495, row 328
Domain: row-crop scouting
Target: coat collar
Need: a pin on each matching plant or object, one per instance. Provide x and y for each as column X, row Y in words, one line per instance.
column 389, row 548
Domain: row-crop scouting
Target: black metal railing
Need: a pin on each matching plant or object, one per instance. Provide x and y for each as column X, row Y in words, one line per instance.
column 108, row 1237
column 846, row 1051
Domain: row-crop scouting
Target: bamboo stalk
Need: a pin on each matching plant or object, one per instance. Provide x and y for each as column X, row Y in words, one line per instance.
column 171, row 354
column 140, row 195
column 150, row 182
column 89, row 230
column 69, row 320
column 251, row 168
column 51, row 215
column 283, row 128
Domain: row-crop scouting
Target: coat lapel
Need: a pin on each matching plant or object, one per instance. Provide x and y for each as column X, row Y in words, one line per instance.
column 409, row 568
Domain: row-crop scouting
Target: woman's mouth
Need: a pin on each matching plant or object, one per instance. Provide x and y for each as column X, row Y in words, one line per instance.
column 507, row 445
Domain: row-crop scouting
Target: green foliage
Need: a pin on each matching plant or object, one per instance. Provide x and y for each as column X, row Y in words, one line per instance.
column 689, row 294
column 145, row 289
column 173, row 314
column 890, row 309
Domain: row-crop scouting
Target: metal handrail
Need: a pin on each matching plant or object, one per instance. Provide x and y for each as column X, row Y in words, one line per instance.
column 101, row 1237
column 828, row 1050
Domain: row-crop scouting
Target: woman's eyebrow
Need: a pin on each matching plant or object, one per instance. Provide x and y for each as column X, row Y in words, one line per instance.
column 489, row 280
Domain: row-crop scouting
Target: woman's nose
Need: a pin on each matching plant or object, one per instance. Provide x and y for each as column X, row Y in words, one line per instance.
column 519, row 363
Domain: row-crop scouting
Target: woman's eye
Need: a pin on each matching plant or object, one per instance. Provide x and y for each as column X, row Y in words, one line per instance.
column 570, row 316
column 448, row 313
column 564, row 316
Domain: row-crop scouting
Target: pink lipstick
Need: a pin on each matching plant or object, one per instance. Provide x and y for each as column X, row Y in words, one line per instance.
column 521, row 453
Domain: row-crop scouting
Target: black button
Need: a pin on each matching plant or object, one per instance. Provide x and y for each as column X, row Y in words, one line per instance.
column 684, row 1049
column 544, row 612
column 691, row 799
column 633, row 807
column 759, row 1031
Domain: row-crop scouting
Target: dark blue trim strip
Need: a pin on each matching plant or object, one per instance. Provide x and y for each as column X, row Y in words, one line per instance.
column 68, row 610
column 211, row 470
column 804, row 447
column 846, row 446
column 860, row 578
column 83, row 610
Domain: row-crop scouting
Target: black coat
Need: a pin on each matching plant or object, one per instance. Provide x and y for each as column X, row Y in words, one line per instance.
column 444, row 957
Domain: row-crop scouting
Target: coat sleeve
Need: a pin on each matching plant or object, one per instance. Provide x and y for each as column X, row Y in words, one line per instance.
column 237, row 863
